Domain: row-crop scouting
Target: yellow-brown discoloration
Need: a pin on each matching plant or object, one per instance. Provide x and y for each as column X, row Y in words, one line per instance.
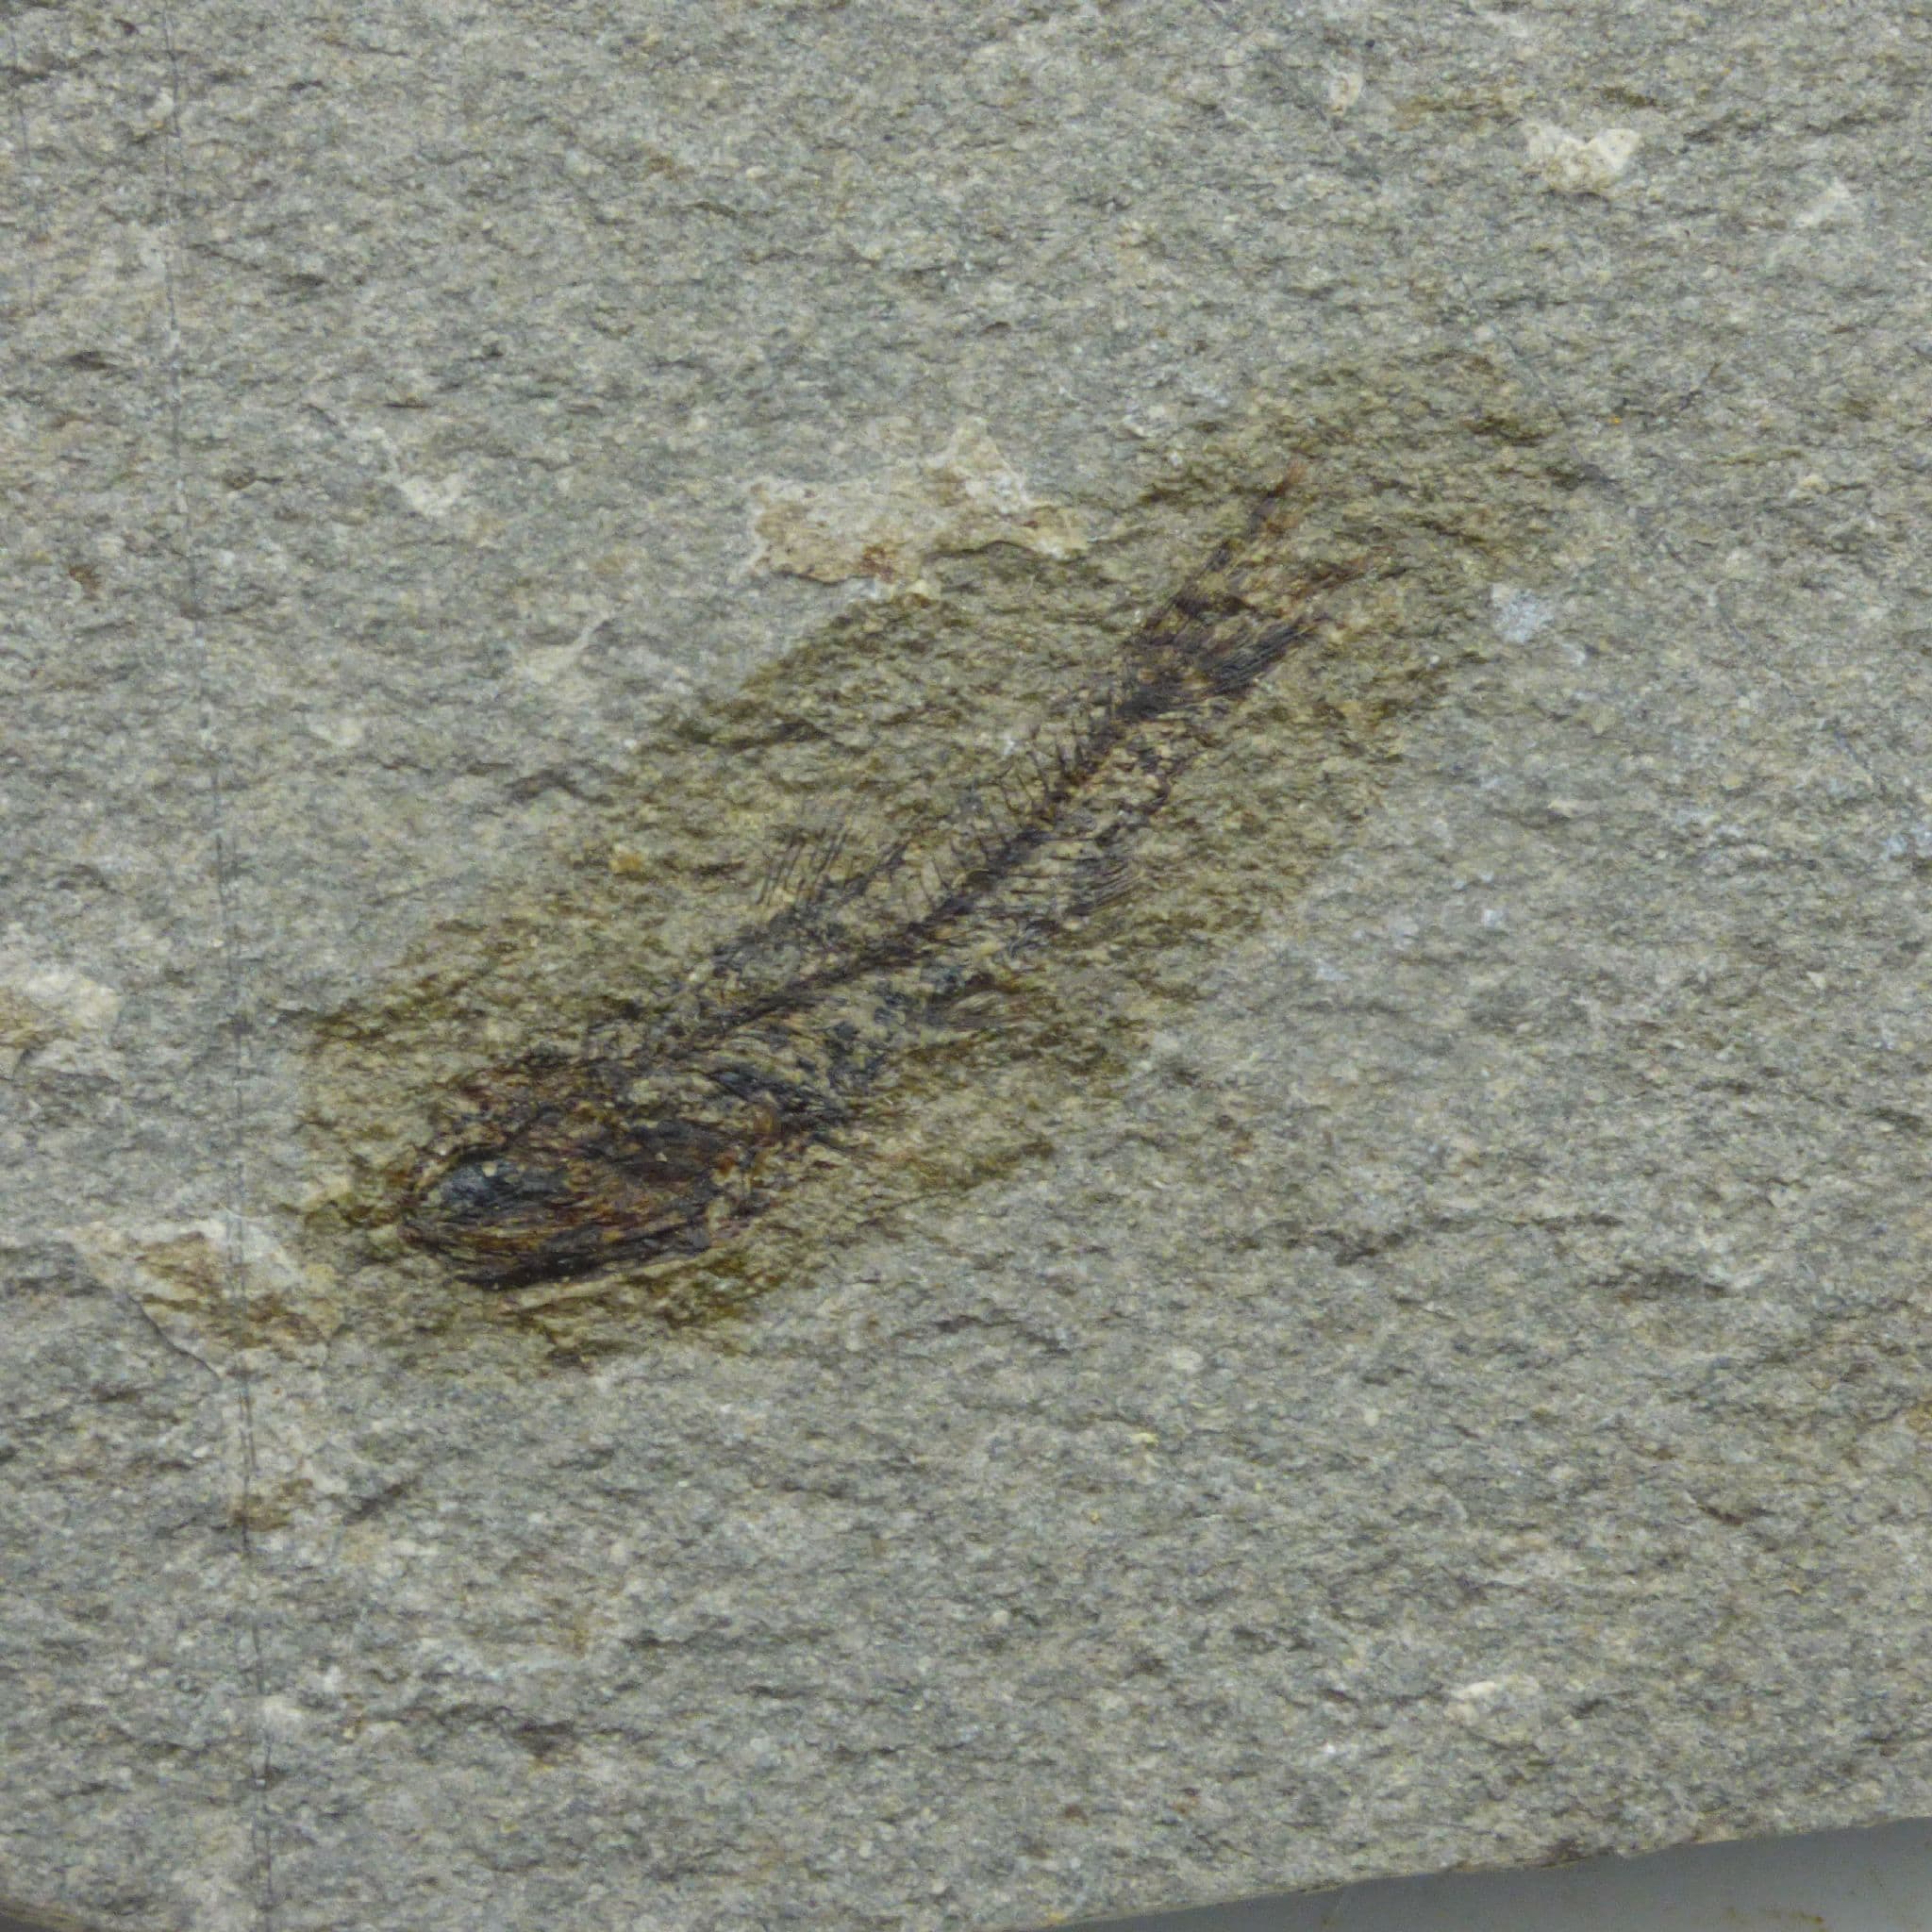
column 908, row 1023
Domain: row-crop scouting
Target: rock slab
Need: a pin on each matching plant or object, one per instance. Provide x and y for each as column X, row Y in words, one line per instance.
column 1400, row 1343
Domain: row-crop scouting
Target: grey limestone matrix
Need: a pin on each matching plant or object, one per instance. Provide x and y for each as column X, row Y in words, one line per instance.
column 958, row 964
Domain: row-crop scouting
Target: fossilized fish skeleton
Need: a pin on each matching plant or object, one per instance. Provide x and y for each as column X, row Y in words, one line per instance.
column 662, row 1139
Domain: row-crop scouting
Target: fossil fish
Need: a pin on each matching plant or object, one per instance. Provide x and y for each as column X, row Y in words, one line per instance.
column 661, row 1134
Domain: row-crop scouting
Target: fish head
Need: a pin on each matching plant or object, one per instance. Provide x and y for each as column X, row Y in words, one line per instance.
column 536, row 1187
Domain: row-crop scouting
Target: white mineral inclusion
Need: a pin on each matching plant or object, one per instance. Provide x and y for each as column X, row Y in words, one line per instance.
column 1837, row 204
column 1516, row 614
column 1570, row 165
column 1344, row 89
column 885, row 525
column 65, row 1000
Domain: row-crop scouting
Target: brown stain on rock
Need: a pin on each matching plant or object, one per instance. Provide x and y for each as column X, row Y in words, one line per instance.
column 1439, row 473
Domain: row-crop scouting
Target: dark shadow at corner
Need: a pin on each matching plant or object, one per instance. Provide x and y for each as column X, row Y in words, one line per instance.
column 1873, row 1879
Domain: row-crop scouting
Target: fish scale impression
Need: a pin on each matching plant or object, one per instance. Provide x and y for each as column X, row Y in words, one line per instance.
column 664, row 1133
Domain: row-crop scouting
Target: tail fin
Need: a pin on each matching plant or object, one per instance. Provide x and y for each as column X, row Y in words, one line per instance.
column 1238, row 615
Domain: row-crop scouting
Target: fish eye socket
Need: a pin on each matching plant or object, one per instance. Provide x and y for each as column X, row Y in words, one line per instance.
column 476, row 1189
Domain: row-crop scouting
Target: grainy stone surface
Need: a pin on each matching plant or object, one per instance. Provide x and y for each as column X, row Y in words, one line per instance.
column 1407, row 1347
